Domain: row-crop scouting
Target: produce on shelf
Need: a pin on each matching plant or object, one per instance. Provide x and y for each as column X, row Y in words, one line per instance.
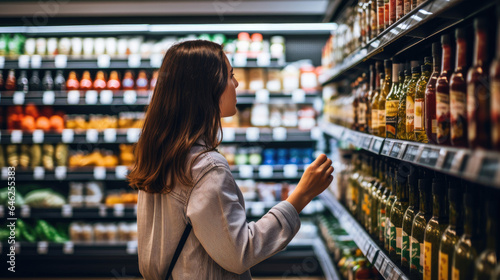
column 29, row 118
column 39, row 230
column 5, row 197
column 121, row 198
column 34, row 155
column 102, row 232
column 97, row 157
column 126, row 154
column 44, row 198
column 88, row 194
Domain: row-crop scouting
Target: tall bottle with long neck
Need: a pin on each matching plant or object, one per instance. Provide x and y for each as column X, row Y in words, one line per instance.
column 401, row 128
column 478, row 97
column 381, row 205
column 371, row 93
column 495, row 92
column 443, row 94
column 363, row 104
column 410, row 104
column 408, row 218
column 386, row 87
column 418, row 229
column 397, row 212
column 374, row 105
column 388, row 207
column 458, row 93
column 430, row 95
column 391, row 103
column 419, row 120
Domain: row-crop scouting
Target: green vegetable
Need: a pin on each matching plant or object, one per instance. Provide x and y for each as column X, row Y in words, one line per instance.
column 44, row 198
column 4, row 197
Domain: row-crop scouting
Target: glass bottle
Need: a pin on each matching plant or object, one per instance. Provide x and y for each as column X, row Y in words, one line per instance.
column 2, row 82
column 363, row 104
column 377, row 191
column 374, row 106
column 399, row 9
column 418, row 229
column 373, row 19
column 478, row 98
column 407, row 6
column 142, row 81
column 380, row 15
column 386, row 87
column 391, row 103
column 410, row 103
column 452, row 233
column 59, row 81
column 392, row 11
column 355, row 104
column 458, row 93
column 434, row 230
column 382, row 204
column 419, row 124
column 430, row 95
column 128, row 80
column 35, row 84
column 495, row 91
column 100, row 81
column 371, row 93
column 443, row 94
column 386, row 14
column 408, row 218
column 47, row 81
column 352, row 188
column 86, row 81
column 397, row 212
column 488, row 259
column 388, row 207
column 114, row 81
column 22, row 82
column 10, row 83
column 401, row 128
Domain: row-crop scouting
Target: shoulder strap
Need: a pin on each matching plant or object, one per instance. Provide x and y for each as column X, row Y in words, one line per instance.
column 178, row 250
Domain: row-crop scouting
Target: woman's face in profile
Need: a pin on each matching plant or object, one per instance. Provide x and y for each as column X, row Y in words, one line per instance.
column 228, row 98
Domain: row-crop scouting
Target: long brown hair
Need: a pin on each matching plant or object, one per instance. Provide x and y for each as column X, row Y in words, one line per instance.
column 184, row 108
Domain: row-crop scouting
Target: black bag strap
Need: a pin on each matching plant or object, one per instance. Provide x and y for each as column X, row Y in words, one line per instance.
column 178, row 250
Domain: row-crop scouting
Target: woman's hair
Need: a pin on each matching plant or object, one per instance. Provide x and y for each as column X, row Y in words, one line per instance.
column 184, row 108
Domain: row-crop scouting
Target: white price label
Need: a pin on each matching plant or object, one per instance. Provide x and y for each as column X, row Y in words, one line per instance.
column 66, row 211
column 132, row 247
column 316, row 133
column 24, row 61
column 290, row 171
column 38, row 173
column 103, row 61
column 119, row 210
column 121, row 172
column 1, row 215
column 5, row 173
column 92, row 135
column 155, row 60
column 266, row 171
column 106, row 97
column 73, row 97
column 18, row 98
column 16, row 136
column 229, row 134
column 110, row 135
column 67, row 135
column 258, row 209
column 279, row 134
column 36, row 61
column 17, row 248
column 68, row 248
column 133, row 134
column 240, row 60
column 99, row 173
column 61, row 61
column 102, row 210
column 264, row 59
column 60, row 172
column 253, row 134
column 38, row 136
column 129, row 97
column 299, row 96
column 246, row 171
column 262, row 96
column 49, row 97
column 135, row 209
column 2, row 61
column 134, row 60
column 91, row 97
column 25, row 211
column 42, row 247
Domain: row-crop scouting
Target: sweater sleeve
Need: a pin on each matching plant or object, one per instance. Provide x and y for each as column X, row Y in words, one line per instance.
column 220, row 224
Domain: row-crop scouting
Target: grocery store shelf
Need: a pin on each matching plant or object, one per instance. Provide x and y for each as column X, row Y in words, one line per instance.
column 479, row 166
column 430, row 18
column 388, row 269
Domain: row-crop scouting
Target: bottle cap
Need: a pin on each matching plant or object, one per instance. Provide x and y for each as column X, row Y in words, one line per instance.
column 480, row 23
column 257, row 37
column 436, row 49
column 446, row 39
column 428, row 60
column 387, row 63
column 460, row 33
column 425, row 68
column 407, row 72
column 415, row 70
column 243, row 36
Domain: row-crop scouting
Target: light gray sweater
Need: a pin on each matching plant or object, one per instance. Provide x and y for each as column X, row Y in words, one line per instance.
column 222, row 244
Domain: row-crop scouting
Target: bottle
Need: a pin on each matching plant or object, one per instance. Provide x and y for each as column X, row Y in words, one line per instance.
column 59, row 81
column 478, row 98
column 154, row 79
column 407, row 6
column 382, row 204
column 418, row 229
column 410, row 103
column 377, row 191
column 397, row 212
column 114, row 81
column 443, row 94
column 386, row 14
column 435, row 228
column 388, row 207
column 355, row 104
column 495, row 91
column 380, row 15
column 142, row 81
column 2, row 82
column 10, row 83
column 391, row 103
column 352, row 187
column 452, row 233
column 22, row 82
column 35, row 84
column 399, row 9
column 100, row 81
column 363, row 104
column 408, row 218
column 471, row 242
column 379, row 78
column 47, row 82
column 458, row 93
column 392, row 11
column 401, row 127
column 86, row 82
column 386, row 86
column 373, row 19
column 128, row 80
column 371, row 94
column 419, row 120
column 72, row 82
column 430, row 96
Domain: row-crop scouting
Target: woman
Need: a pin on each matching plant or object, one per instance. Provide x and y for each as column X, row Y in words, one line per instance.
column 182, row 179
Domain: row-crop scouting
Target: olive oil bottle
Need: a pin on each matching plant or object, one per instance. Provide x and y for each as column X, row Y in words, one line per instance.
column 419, row 120
column 379, row 79
column 391, row 197
column 397, row 212
column 386, row 88
column 418, row 229
column 381, row 205
column 352, row 187
column 410, row 103
column 401, row 129
column 488, row 259
column 392, row 102
column 376, row 197
column 408, row 218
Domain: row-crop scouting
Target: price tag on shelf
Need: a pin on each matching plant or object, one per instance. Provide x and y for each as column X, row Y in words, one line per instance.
column 298, row 96
column 103, row 61
column 457, row 162
column 36, row 61
column 2, row 62
column 48, row 97
column 92, row 135
column 129, row 97
column 396, row 148
column 135, row 209
column 229, row 134
column 67, row 135
column 42, row 247
column 395, row 274
column 17, row 248
column 121, row 172
column 371, row 254
column 73, row 97
column 132, row 247
column 61, row 61
column 2, row 214
column 5, row 173
column 133, row 134
column 16, row 136
column 264, row 59
column 239, row 60
column 246, row 171
column 134, row 60
column 262, row 96
column 91, row 97
column 410, row 153
column 252, row 134
column 67, row 211
column 316, row 133
column 448, row 160
column 266, row 171
column 60, row 172
column 38, row 136
column 387, row 148
column 383, row 268
column 24, row 61
column 388, row 270
column 68, row 248
column 106, row 97
column 25, row 211
column 99, row 173
column 290, row 171
column 38, row 173
column 377, row 144
column 103, row 211
column 279, row 134
column 110, row 135
column 155, row 60
column 18, row 98
column 118, row 210
column 258, row 209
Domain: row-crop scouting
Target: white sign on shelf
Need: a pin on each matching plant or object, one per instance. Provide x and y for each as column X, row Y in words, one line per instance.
column 106, row 97
column 92, row 135
column 5, row 173
column 66, row 211
column 118, row 210
column 121, row 172
column 18, row 98
column 132, row 247
column 67, row 135
column 24, row 61
column 246, row 171
column 239, row 60
column 290, row 171
column 102, row 210
column 155, row 60
column 229, row 134
column 73, row 97
column 110, row 135
column 99, row 173
column 61, row 61
column 134, row 60
column 25, row 211
column 38, row 136
column 279, row 134
column 91, row 97
column 264, row 59
column 16, row 136
column 129, row 97
column 266, row 171
column 253, row 134
column 38, row 173
column 60, row 172
column 299, row 96
column 103, row 61
column 2, row 61
column 48, row 97
column 68, row 248
column 316, row 133
column 42, row 247
column 36, row 61
column 262, row 96
column 133, row 134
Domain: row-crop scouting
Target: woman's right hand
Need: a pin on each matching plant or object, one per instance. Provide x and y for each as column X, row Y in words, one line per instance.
column 316, row 178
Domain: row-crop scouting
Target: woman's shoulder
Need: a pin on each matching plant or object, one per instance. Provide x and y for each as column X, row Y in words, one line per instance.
column 206, row 161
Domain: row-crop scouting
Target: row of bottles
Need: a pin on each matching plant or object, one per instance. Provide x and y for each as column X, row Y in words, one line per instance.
column 60, row 83
column 434, row 102
column 432, row 226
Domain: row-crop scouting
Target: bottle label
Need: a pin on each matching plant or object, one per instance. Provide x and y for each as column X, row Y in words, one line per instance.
column 419, row 114
column 388, row 233
column 415, row 255
column 434, row 126
column 381, row 18
column 458, row 113
column 392, row 240
column 386, row 13
column 495, row 112
column 399, row 240
column 443, row 115
column 443, row 266
column 374, row 120
column 381, row 223
column 405, row 250
column 410, row 111
column 471, row 112
column 391, row 119
column 392, row 12
column 407, row 6
column 362, row 113
column 427, row 260
column 381, row 118
column 455, row 273
column 399, row 9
